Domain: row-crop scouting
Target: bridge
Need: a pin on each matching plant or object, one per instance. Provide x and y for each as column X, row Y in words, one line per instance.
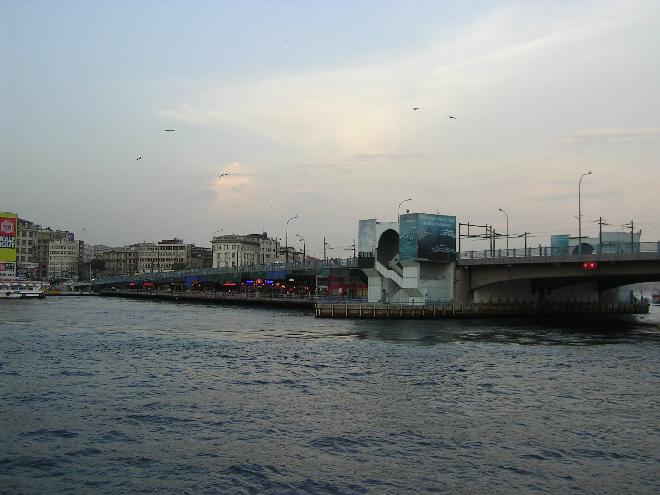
column 303, row 275
column 555, row 274
column 543, row 275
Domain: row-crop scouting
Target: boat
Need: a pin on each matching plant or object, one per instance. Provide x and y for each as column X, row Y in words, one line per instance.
column 22, row 289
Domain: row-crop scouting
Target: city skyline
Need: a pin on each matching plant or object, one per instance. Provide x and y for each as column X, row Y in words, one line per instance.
column 309, row 110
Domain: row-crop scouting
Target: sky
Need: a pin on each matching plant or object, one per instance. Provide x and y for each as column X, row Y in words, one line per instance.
column 308, row 106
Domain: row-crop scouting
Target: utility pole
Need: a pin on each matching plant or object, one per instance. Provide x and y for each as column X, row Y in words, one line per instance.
column 324, row 245
column 600, row 222
column 303, row 241
column 632, row 235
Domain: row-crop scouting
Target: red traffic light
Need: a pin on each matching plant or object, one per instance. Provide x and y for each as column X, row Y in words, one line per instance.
column 589, row 265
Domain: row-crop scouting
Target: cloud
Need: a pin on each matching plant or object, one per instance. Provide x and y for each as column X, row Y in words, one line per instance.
column 348, row 110
column 612, row 135
column 374, row 157
column 571, row 196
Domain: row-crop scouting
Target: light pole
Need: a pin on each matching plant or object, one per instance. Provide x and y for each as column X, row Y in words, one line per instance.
column 303, row 241
column 580, row 212
column 286, row 239
column 507, row 230
column 398, row 211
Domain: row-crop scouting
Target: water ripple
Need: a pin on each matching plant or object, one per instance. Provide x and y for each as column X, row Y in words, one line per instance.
column 125, row 397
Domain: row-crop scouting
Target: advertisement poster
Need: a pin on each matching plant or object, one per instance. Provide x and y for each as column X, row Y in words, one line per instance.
column 8, row 225
column 427, row 237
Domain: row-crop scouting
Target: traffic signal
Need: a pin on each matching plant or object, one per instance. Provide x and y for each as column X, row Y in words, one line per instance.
column 590, row 265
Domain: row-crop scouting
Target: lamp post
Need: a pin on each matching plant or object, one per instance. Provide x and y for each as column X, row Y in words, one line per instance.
column 286, row 239
column 398, row 211
column 303, row 241
column 580, row 212
column 507, row 230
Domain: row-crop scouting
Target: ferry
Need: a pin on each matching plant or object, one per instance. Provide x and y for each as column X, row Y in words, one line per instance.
column 22, row 289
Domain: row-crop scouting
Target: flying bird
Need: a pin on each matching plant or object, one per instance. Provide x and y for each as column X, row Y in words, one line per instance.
column 452, row 117
column 415, row 108
column 139, row 158
column 222, row 175
column 170, row 130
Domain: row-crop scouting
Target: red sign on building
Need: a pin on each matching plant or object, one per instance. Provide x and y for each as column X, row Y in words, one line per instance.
column 8, row 226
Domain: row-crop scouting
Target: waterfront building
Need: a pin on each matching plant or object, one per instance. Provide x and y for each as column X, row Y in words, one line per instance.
column 173, row 254
column 44, row 239
column 64, row 259
column 26, row 241
column 119, row 261
column 201, row 257
column 168, row 254
column 234, row 251
column 244, row 250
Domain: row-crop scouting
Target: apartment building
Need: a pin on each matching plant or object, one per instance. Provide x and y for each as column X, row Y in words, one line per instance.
column 64, row 259
column 244, row 250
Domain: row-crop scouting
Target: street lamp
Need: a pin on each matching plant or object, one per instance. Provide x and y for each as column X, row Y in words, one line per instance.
column 303, row 241
column 286, row 239
column 507, row 230
column 580, row 212
column 398, row 212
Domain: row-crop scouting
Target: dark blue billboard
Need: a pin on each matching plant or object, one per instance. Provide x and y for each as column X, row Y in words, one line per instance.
column 424, row 236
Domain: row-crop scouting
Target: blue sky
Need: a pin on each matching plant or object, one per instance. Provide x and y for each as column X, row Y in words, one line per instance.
column 308, row 107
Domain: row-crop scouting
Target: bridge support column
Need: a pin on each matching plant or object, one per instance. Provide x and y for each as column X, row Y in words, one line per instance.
column 462, row 281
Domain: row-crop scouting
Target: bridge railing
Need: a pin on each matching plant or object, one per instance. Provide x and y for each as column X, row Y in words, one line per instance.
column 231, row 270
column 609, row 250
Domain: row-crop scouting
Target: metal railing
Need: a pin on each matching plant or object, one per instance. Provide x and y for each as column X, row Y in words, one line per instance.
column 247, row 295
column 605, row 251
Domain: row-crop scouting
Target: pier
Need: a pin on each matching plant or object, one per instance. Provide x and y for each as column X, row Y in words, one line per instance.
column 364, row 310
column 440, row 311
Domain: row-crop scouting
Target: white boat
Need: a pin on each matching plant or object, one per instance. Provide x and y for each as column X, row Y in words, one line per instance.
column 22, row 289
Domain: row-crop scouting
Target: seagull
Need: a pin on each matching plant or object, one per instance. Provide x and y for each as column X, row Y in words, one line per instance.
column 452, row 117
column 170, row 130
column 415, row 108
column 139, row 158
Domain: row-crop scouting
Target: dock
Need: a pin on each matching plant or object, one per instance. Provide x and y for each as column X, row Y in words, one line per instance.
column 439, row 311
column 366, row 310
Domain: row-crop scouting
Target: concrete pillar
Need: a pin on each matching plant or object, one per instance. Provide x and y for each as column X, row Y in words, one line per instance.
column 462, row 292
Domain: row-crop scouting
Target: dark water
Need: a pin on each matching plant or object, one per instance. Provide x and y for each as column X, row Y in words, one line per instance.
column 116, row 396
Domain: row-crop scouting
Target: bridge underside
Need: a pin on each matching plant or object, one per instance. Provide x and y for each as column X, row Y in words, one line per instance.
column 568, row 282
